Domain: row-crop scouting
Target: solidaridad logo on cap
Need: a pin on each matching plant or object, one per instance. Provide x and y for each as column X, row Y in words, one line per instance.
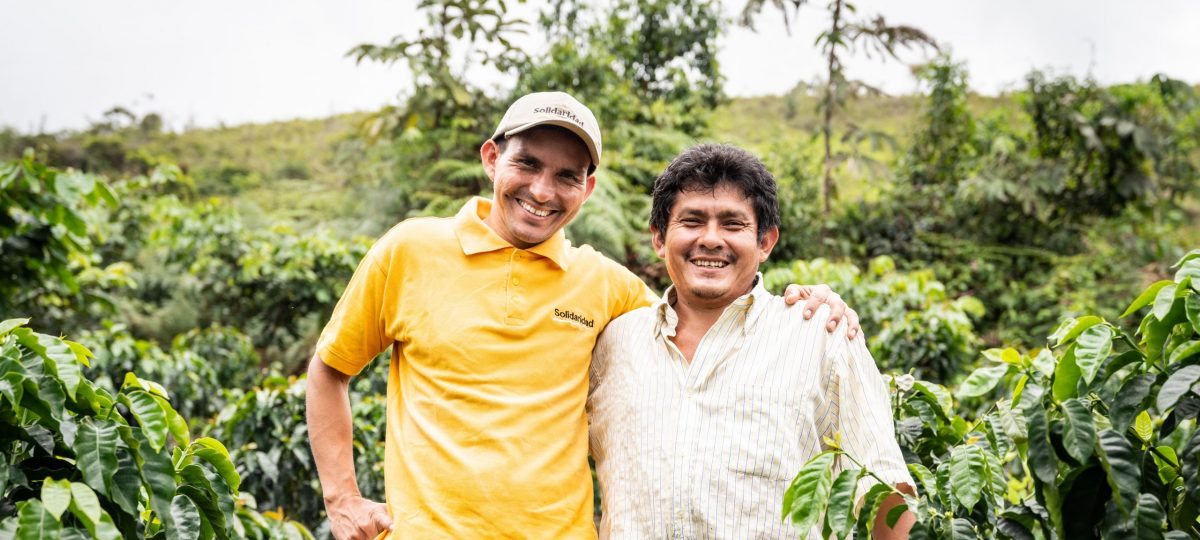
column 558, row 110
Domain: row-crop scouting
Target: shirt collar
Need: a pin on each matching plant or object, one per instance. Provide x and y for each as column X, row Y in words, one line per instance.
column 751, row 304
column 475, row 236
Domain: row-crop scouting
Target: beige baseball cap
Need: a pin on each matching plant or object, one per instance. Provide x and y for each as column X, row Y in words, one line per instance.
column 553, row 109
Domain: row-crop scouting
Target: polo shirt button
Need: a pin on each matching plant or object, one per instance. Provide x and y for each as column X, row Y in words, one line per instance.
column 516, row 281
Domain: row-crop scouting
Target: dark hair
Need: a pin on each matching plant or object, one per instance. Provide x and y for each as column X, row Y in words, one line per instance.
column 502, row 143
column 704, row 167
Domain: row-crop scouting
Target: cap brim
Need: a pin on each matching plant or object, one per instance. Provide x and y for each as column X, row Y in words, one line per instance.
column 569, row 126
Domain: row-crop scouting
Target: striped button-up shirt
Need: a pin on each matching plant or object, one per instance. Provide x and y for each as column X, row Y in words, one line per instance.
column 707, row 448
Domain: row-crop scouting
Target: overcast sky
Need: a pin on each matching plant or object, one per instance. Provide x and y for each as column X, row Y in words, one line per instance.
column 64, row 62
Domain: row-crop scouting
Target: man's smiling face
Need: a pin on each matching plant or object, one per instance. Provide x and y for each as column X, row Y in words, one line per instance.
column 711, row 245
column 540, row 180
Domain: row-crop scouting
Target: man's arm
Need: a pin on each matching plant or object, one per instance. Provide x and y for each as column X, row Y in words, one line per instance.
column 881, row 531
column 331, row 435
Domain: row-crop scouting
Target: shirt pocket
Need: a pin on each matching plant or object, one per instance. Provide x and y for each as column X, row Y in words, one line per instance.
column 758, row 433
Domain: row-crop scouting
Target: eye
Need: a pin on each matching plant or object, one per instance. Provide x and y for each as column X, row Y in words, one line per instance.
column 734, row 225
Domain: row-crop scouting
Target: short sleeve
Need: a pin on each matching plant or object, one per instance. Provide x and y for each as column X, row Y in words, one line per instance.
column 864, row 413
column 356, row 331
column 634, row 293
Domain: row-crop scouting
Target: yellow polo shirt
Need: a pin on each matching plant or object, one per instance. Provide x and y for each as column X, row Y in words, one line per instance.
column 487, row 435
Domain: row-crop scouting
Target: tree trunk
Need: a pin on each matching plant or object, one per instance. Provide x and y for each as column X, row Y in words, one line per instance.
column 827, row 129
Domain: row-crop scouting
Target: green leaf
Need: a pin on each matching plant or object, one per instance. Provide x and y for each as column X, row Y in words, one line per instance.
column 186, row 519
column 1143, row 426
column 69, row 371
column 967, row 475
column 1044, row 362
column 1178, row 384
column 214, row 453
column 1185, row 351
column 894, row 514
column 922, row 474
column 1189, row 458
column 840, row 513
column 1092, row 349
column 1189, row 270
column 1191, row 306
column 34, row 522
column 1122, row 467
column 126, row 483
column 96, row 453
column 1193, row 254
column 1146, row 297
column 1122, row 360
column 1163, row 302
column 1130, row 400
column 56, row 496
column 982, row 380
column 1150, row 518
column 158, row 474
column 1079, row 436
column 1066, row 376
column 1007, row 356
column 938, row 394
column 1078, row 327
column 175, row 423
column 84, row 500
column 150, row 416
column 197, row 487
column 1041, row 455
column 805, row 499
column 82, row 354
column 10, row 324
column 962, row 529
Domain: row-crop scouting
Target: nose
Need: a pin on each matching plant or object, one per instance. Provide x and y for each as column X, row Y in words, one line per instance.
column 710, row 237
column 541, row 189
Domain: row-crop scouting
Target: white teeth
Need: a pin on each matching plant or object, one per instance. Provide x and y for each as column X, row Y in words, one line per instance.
column 532, row 210
column 710, row 264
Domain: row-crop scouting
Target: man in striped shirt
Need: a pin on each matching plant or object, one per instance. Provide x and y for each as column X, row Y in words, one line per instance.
column 705, row 404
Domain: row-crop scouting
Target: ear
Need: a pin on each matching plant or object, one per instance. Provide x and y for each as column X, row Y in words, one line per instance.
column 659, row 241
column 591, row 185
column 488, row 154
column 767, row 244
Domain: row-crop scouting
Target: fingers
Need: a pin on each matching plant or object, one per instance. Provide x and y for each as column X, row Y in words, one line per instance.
column 837, row 308
column 381, row 520
column 362, row 520
column 814, row 298
column 852, row 324
column 794, row 293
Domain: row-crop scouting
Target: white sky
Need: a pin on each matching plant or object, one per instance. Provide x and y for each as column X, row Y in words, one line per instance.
column 64, row 62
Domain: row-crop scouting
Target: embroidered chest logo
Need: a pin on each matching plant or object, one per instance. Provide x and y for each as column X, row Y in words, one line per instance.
column 572, row 317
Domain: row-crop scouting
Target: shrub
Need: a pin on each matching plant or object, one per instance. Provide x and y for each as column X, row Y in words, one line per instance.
column 80, row 461
column 1094, row 437
column 915, row 324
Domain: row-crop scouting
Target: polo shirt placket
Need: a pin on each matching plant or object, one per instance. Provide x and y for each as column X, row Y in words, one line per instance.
column 516, row 305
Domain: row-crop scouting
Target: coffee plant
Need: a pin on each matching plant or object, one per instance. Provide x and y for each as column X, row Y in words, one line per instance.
column 80, row 461
column 1092, row 437
column 915, row 323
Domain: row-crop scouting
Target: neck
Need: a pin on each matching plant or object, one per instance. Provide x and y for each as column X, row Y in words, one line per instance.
column 695, row 318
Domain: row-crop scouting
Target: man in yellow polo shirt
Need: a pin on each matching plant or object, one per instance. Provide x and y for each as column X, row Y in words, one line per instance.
column 491, row 316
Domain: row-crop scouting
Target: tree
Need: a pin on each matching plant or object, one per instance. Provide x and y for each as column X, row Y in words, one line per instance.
column 844, row 36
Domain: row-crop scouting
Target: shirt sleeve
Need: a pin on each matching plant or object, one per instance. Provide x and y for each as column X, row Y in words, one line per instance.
column 635, row 293
column 356, row 331
column 864, row 413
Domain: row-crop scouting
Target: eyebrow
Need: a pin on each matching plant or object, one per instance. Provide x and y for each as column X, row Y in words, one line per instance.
column 724, row 214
